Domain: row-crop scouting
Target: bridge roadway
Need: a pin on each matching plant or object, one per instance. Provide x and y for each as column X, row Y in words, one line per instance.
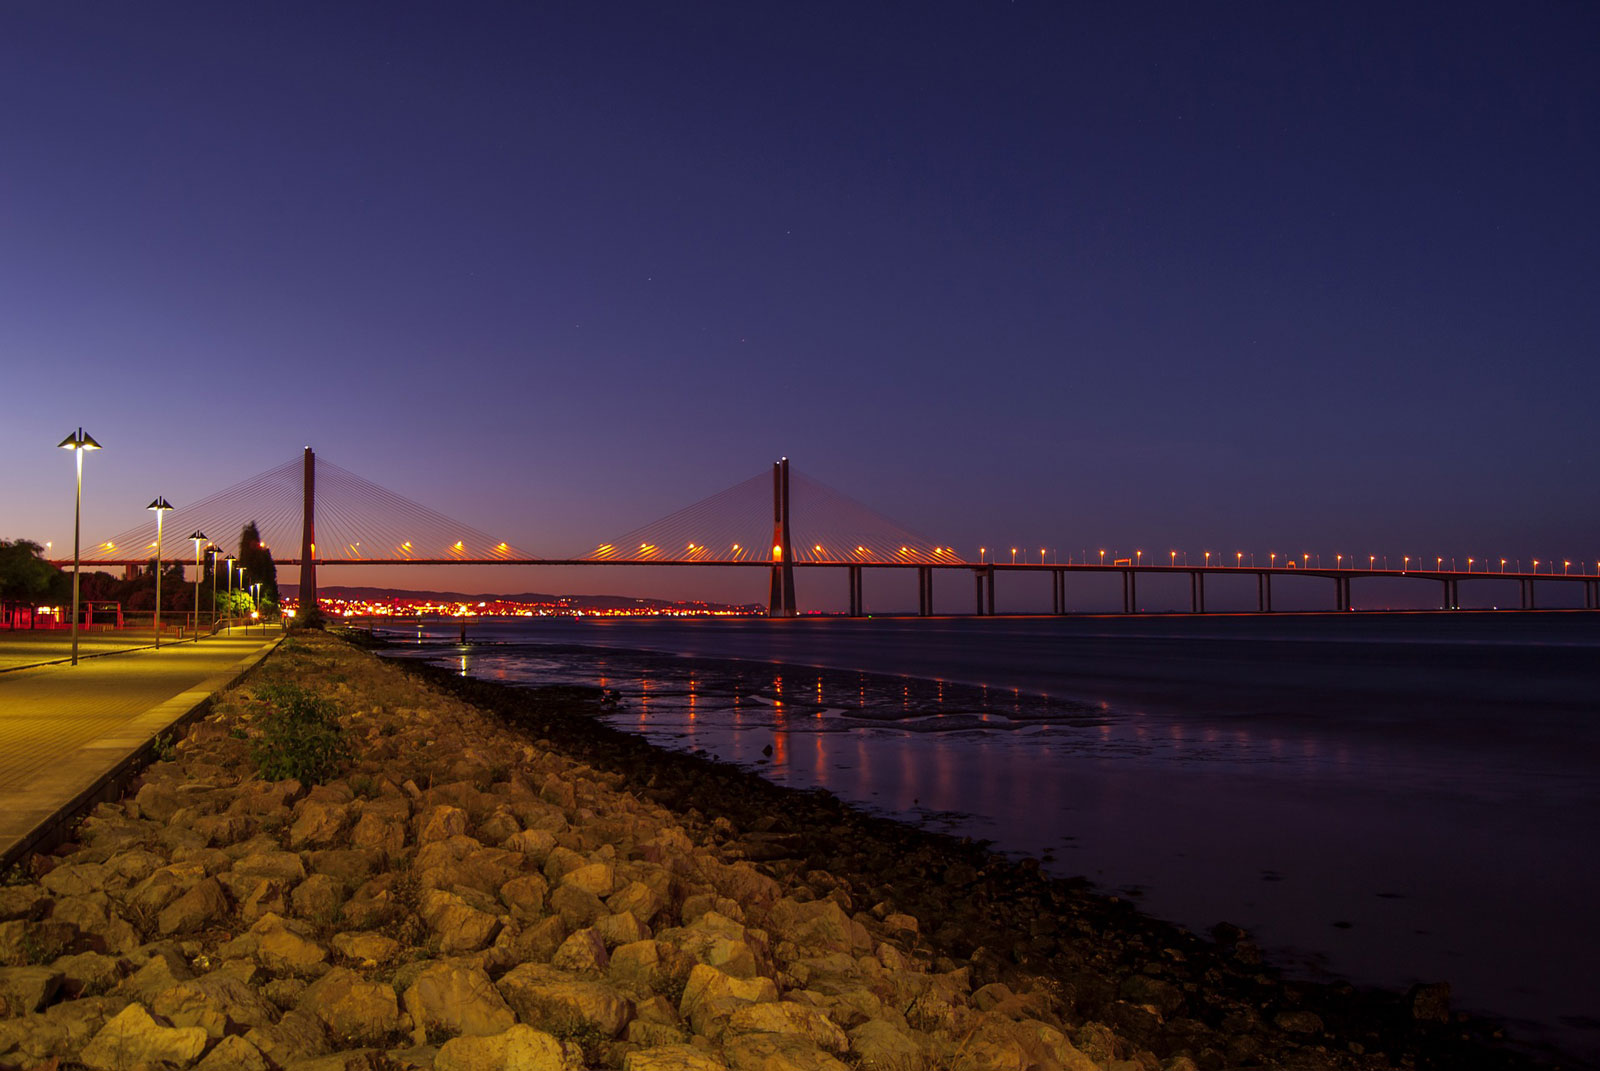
column 69, row 735
column 984, row 574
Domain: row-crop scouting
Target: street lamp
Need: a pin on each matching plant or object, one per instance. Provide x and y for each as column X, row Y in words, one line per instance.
column 1405, row 563
column 160, row 506
column 199, row 537
column 212, row 550
column 1174, row 563
column 1272, row 559
column 1338, row 561
column 1041, row 555
column 1502, row 565
column 1102, row 556
column 1238, row 559
column 77, row 442
column 1013, row 555
column 230, row 599
column 1208, row 559
column 981, row 552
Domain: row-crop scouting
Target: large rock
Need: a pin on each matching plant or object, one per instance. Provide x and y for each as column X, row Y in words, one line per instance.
column 710, row 996
column 356, row 1012
column 379, row 832
column 524, row 896
column 233, row 1054
column 883, row 1046
column 441, row 822
column 671, row 1058
column 195, row 909
column 296, row 1036
column 218, row 1003
column 276, row 946
column 318, row 897
column 25, row 989
column 716, row 941
column 28, row 902
column 364, row 948
column 459, row 926
column 318, row 821
column 784, row 1052
column 584, row 952
column 599, row 879
column 542, row 994
column 454, row 999
column 521, row 1048
column 284, row 866
column 133, row 1037
column 164, row 886
column 789, row 1018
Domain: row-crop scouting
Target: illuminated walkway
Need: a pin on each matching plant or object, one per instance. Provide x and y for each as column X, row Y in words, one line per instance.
column 64, row 730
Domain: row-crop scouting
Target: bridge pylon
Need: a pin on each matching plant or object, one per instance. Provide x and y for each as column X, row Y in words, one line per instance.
column 310, row 612
column 782, row 602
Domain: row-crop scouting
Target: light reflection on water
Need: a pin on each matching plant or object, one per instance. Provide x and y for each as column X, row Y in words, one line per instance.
column 1365, row 844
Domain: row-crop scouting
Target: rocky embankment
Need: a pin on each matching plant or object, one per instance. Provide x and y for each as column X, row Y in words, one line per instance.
column 468, row 894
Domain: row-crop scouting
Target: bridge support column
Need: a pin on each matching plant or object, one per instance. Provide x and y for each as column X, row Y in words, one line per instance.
column 988, row 584
column 1130, row 592
column 1591, row 594
column 1197, row 593
column 924, row 591
column 1264, row 593
column 781, row 603
column 309, row 615
column 1341, row 593
column 853, row 575
column 977, row 585
column 1060, row 591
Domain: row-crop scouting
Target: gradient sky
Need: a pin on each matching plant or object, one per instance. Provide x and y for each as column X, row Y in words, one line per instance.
column 1167, row 275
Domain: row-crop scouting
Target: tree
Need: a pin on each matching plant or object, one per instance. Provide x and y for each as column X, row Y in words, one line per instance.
column 24, row 574
column 256, row 560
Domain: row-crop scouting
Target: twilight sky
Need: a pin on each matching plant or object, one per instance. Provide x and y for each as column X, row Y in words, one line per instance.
column 1167, row 275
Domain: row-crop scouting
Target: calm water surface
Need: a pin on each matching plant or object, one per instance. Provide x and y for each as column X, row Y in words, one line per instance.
column 1390, row 798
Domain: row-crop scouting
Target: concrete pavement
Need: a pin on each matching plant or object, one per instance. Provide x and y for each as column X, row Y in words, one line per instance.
column 70, row 734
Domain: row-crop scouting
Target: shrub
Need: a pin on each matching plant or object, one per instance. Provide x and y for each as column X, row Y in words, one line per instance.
column 300, row 737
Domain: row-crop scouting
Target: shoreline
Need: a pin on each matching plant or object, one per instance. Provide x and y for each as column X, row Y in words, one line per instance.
column 494, row 876
column 1094, row 942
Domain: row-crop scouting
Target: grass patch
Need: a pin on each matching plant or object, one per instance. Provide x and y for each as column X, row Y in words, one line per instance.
column 300, row 737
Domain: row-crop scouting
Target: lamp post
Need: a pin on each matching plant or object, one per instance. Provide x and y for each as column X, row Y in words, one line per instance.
column 211, row 557
column 255, row 602
column 230, row 598
column 199, row 537
column 160, row 507
column 77, row 442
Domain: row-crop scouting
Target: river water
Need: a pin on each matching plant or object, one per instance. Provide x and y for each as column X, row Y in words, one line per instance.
column 1388, row 798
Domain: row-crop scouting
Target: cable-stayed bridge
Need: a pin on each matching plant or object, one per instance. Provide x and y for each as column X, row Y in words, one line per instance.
column 778, row 521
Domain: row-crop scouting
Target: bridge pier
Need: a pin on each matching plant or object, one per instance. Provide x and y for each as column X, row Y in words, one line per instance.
column 1341, row 593
column 853, row 576
column 1058, row 591
column 782, row 602
column 1197, row 592
column 924, row 591
column 1528, row 600
column 1591, row 594
column 1130, row 592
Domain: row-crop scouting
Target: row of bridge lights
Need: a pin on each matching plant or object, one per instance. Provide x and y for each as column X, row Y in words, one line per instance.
column 1305, row 561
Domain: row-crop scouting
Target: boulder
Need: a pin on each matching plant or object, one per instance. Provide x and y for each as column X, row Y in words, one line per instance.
column 195, row 909
column 543, row 994
column 355, row 1011
column 671, row 1058
column 318, row 897
column 785, row 1017
column 524, row 896
column 440, row 822
column 365, row 948
column 456, row 1000
column 27, row 902
column 133, row 1037
column 787, row 1052
column 711, row 995
column 882, row 1046
column 380, row 833
column 584, row 953
column 296, row 1036
column 26, row 989
column 284, row 866
column 88, row 973
column 600, row 879
column 233, row 1054
column 218, row 1003
column 521, row 1048
column 459, row 926
column 266, row 897
column 318, row 821
column 351, row 866
column 638, row 900
column 277, row 946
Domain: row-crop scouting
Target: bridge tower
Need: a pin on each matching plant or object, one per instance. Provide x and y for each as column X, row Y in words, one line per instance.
column 310, row 614
column 781, row 603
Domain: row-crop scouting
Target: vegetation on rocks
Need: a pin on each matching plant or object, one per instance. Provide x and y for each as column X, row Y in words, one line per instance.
column 439, row 891
column 299, row 738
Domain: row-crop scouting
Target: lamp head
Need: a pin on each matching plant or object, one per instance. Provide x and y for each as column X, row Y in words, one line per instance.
column 159, row 504
column 78, row 441
column 197, row 535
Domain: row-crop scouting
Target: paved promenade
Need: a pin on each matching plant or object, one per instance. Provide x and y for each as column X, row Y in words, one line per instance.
column 65, row 730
